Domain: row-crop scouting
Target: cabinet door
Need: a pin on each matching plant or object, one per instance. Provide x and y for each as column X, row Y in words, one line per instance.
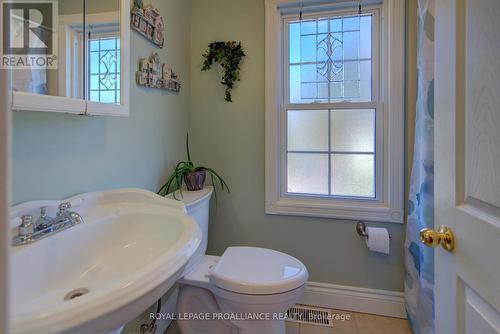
column 46, row 40
column 107, row 66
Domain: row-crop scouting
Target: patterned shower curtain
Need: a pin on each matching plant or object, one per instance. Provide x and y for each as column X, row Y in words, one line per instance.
column 419, row 260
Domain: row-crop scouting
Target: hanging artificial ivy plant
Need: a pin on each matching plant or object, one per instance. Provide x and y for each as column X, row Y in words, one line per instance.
column 228, row 55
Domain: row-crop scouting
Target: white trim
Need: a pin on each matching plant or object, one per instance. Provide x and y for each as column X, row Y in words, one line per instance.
column 69, row 44
column 389, row 206
column 349, row 298
column 47, row 103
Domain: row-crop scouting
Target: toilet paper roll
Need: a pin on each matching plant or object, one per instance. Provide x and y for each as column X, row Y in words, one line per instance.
column 378, row 239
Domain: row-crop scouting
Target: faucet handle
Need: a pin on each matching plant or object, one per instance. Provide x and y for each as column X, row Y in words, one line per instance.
column 63, row 208
column 26, row 227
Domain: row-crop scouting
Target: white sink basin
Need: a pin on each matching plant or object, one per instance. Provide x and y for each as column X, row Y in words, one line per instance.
column 131, row 248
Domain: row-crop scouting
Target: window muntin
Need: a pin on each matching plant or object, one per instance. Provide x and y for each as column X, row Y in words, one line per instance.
column 330, row 59
column 104, row 68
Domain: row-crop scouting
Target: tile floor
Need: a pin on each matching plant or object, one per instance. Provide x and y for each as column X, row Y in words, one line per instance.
column 359, row 323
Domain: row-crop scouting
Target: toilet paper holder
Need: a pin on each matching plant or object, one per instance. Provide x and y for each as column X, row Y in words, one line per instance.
column 361, row 229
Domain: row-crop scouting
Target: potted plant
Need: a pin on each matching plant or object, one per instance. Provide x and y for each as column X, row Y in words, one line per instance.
column 186, row 172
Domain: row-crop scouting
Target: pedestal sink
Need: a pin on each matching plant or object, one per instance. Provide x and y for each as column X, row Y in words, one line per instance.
column 98, row 275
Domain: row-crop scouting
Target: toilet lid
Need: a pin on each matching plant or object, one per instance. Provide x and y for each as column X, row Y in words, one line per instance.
column 258, row 271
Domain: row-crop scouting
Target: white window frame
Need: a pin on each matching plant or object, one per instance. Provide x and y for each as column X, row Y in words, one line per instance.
column 388, row 205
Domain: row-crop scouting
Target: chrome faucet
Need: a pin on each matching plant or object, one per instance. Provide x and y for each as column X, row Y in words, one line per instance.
column 44, row 226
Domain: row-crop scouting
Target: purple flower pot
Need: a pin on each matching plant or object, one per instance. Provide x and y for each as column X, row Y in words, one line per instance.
column 195, row 180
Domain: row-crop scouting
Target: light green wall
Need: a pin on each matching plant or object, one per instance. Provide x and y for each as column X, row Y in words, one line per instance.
column 230, row 138
column 57, row 155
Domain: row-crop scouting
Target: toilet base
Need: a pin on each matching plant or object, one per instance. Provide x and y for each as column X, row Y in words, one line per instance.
column 195, row 300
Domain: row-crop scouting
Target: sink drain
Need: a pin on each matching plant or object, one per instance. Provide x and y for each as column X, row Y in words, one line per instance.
column 76, row 293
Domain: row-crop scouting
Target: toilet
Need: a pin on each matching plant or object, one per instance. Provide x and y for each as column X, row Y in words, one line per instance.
column 247, row 290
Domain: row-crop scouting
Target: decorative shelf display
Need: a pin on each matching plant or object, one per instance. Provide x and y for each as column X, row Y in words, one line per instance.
column 152, row 73
column 148, row 22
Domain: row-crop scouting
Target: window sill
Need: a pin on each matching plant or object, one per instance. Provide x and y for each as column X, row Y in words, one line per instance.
column 366, row 210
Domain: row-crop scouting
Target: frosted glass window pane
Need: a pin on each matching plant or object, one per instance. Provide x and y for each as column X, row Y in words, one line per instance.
column 353, row 175
column 308, row 173
column 353, row 130
column 307, row 130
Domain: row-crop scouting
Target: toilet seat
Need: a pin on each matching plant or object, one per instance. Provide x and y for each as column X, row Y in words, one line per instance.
column 257, row 271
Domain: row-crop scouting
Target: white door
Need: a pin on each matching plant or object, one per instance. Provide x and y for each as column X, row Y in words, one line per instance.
column 467, row 166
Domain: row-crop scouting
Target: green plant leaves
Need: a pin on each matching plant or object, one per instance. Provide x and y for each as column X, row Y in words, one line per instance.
column 176, row 179
column 228, row 55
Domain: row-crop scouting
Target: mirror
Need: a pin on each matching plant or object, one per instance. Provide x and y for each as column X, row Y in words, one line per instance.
column 69, row 27
column 90, row 62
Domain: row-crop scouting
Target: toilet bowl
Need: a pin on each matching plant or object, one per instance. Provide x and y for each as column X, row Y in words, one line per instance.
column 247, row 290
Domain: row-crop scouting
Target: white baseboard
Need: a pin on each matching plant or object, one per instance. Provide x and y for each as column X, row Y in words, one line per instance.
column 349, row 298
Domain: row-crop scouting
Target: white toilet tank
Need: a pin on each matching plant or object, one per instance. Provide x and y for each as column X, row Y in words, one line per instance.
column 197, row 206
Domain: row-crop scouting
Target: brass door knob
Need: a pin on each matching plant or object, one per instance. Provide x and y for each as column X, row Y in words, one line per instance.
column 443, row 236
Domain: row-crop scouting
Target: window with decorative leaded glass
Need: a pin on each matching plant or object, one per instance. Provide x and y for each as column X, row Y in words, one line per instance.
column 331, row 104
column 335, row 109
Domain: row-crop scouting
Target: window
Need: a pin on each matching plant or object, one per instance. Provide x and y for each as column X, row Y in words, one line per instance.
column 334, row 111
column 104, row 68
column 331, row 58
